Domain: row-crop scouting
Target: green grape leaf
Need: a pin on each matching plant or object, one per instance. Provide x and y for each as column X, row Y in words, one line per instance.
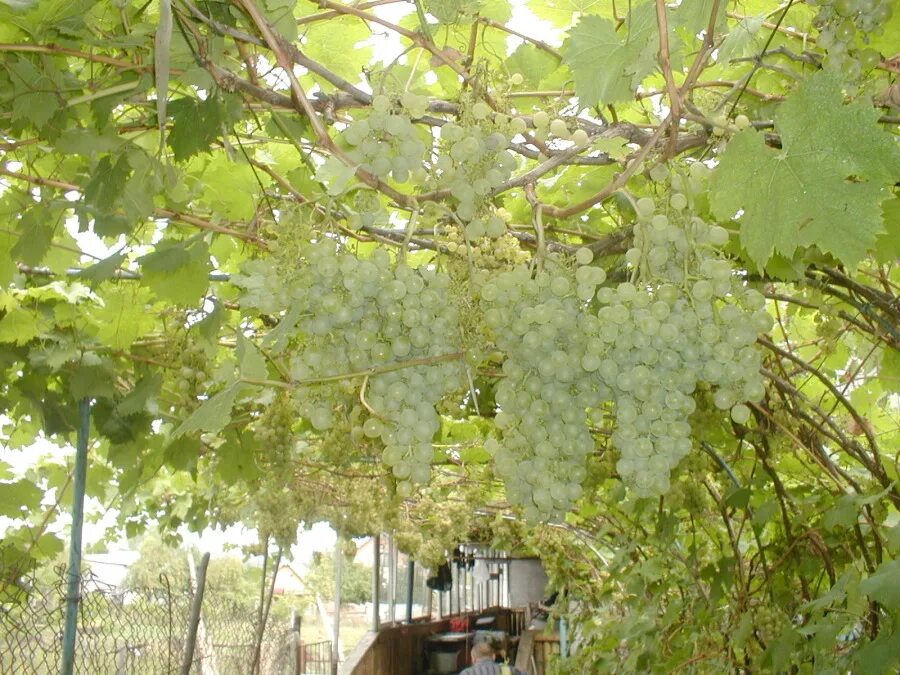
column 608, row 68
column 213, row 414
column 884, row 585
column 107, row 184
column 335, row 175
column 36, row 231
column 178, row 272
column 195, row 127
column 887, row 245
column 251, row 362
column 18, row 326
column 124, row 316
column 105, row 269
column 209, row 326
column 136, row 400
column 7, row 262
column 881, row 654
column 92, row 380
column 18, row 497
column 532, row 64
column 822, row 188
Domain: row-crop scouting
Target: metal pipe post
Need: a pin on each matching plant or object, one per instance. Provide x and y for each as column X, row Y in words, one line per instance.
column 410, row 580
column 376, row 582
column 73, row 593
column 193, row 625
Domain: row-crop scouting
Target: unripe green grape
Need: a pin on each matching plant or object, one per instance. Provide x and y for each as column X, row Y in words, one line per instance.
column 516, row 79
column 740, row 413
column 645, row 207
column 678, row 201
column 580, row 137
column 718, row 236
column 559, row 128
column 541, row 119
column 518, row 125
column 742, row 122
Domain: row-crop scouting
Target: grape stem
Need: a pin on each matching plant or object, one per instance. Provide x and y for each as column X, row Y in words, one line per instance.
column 362, row 399
column 374, row 370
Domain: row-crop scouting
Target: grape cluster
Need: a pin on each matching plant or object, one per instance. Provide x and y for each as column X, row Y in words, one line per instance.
column 191, row 375
column 370, row 313
column 539, row 323
column 769, row 622
column 367, row 211
column 685, row 319
column 473, row 162
column 273, row 430
column 386, row 142
column 843, row 26
column 486, row 240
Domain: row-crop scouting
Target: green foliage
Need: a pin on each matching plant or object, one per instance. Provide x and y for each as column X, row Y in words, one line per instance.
column 356, row 578
column 823, row 187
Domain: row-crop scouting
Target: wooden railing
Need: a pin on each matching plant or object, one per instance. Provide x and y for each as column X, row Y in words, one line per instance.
column 536, row 649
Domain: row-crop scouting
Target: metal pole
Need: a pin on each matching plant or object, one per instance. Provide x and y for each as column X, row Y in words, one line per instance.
column 392, row 579
column 410, row 580
column 563, row 637
column 196, row 606
column 376, row 583
column 73, row 593
column 338, row 567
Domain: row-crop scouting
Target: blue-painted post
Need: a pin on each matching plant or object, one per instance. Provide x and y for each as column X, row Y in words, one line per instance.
column 73, row 593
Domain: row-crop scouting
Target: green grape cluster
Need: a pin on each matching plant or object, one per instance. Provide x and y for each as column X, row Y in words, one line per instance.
column 273, row 430
column 540, row 324
column 368, row 211
column 474, row 161
column 370, row 313
column 844, row 26
column 192, row 375
column 386, row 143
column 769, row 622
column 686, row 319
column 487, row 241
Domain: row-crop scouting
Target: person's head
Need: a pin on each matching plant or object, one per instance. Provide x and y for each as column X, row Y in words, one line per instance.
column 482, row 651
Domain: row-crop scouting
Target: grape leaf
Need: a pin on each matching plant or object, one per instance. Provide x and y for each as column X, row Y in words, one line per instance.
column 822, row 188
column 608, row 69
column 214, row 414
column 196, row 125
column 884, row 586
column 178, row 272
column 19, row 496
column 18, row 326
column 124, row 317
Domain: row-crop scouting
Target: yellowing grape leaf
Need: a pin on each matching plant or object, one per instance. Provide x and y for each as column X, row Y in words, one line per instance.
column 824, row 186
column 607, row 66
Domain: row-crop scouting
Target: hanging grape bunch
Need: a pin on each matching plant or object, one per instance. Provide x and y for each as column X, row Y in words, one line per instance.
column 386, row 143
column 473, row 162
column 685, row 317
column 844, row 30
column 375, row 313
column 539, row 323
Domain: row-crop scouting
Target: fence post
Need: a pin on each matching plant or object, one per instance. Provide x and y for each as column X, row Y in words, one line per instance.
column 73, row 595
column 296, row 628
column 196, row 606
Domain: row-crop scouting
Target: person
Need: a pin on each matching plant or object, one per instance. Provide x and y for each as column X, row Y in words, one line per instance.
column 483, row 662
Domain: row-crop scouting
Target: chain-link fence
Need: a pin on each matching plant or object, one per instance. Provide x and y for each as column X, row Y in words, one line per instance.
column 140, row 632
